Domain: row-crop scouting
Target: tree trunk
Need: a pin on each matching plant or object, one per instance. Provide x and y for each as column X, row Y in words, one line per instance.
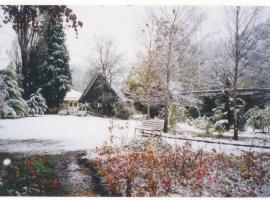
column 167, row 93
column 166, row 119
column 237, row 60
column 24, row 73
column 148, row 111
column 23, row 41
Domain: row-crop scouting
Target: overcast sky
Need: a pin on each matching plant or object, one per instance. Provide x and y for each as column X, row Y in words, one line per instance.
column 122, row 23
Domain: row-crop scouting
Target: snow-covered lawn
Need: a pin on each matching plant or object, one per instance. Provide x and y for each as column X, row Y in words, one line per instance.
column 54, row 133
column 245, row 138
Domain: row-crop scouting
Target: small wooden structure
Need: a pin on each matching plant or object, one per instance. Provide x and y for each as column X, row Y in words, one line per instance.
column 151, row 127
column 71, row 101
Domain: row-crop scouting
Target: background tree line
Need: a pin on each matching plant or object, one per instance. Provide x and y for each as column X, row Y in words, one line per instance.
column 174, row 58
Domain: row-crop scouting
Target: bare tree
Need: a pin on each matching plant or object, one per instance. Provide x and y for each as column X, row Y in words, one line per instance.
column 143, row 81
column 106, row 60
column 174, row 31
column 14, row 55
column 240, row 26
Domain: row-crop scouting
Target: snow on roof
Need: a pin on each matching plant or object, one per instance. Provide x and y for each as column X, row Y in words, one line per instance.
column 72, row 95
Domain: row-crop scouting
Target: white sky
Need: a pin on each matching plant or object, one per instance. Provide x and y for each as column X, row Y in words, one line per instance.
column 122, row 23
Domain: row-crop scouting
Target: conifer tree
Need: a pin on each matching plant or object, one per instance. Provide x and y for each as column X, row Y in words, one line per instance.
column 12, row 103
column 37, row 104
column 55, row 70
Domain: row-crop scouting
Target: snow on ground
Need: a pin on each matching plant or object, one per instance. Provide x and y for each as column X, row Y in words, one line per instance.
column 183, row 127
column 220, row 148
column 54, row 134
column 249, row 137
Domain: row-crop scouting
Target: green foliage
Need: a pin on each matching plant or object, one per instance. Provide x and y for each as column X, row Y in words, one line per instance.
column 143, row 83
column 258, row 118
column 140, row 107
column 219, row 112
column 208, row 132
column 86, row 107
column 177, row 114
column 121, row 111
column 28, row 176
column 37, row 104
column 55, row 75
column 14, row 105
column 199, row 122
column 220, row 126
column 25, row 19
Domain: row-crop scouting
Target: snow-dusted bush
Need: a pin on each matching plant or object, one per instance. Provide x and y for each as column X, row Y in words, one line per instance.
column 220, row 112
column 86, row 107
column 258, row 118
column 176, row 114
column 11, row 102
column 221, row 125
column 37, row 104
column 200, row 122
column 122, row 111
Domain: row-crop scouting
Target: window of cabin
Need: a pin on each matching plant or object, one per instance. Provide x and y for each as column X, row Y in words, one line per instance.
column 75, row 104
column 70, row 104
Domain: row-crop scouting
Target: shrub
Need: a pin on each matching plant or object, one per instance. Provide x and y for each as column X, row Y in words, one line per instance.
column 28, row 176
column 177, row 114
column 11, row 101
column 219, row 112
column 208, row 131
column 220, row 126
column 258, row 118
column 37, row 104
column 121, row 111
column 200, row 122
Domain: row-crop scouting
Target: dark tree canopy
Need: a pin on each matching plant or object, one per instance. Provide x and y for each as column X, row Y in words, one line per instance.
column 29, row 23
column 55, row 75
column 19, row 14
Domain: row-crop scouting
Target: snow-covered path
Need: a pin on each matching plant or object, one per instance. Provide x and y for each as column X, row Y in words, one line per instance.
column 53, row 133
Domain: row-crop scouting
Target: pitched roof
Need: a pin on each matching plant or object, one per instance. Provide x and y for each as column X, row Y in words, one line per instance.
column 116, row 88
column 90, row 84
column 72, row 95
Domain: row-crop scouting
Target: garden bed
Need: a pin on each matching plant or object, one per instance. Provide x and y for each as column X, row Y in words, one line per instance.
column 27, row 176
column 150, row 168
column 46, row 175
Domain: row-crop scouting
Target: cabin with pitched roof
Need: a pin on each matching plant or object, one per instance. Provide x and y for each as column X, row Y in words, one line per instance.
column 71, row 100
column 99, row 95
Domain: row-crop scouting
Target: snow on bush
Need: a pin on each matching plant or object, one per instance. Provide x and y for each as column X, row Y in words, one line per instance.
column 12, row 104
column 176, row 114
column 219, row 112
column 122, row 111
column 258, row 118
column 151, row 168
column 37, row 104
column 221, row 125
column 200, row 122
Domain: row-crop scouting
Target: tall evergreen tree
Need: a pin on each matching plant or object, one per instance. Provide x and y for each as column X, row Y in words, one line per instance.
column 55, row 71
column 25, row 20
